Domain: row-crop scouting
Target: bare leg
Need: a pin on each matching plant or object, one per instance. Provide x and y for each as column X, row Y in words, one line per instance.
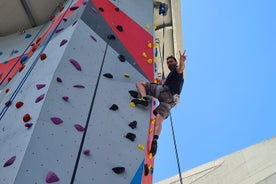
column 141, row 87
column 158, row 124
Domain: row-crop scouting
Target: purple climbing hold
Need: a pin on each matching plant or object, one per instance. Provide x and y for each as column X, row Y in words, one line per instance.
column 74, row 22
column 72, row 8
column 40, row 86
column 56, row 120
column 94, row 10
column 38, row 99
column 86, row 152
column 84, row 2
column 64, row 19
column 59, row 79
column 28, row 125
column 93, row 38
column 10, row 161
column 64, row 41
column 78, row 86
column 58, row 30
column 75, row 64
column 79, row 127
column 51, row 177
column 65, row 98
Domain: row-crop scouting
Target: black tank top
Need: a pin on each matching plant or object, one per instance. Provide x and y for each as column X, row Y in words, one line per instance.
column 174, row 81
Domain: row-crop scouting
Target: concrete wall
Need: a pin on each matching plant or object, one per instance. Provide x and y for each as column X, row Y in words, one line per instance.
column 68, row 99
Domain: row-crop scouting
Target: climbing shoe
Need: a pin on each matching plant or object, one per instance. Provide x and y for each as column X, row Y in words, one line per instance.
column 133, row 93
column 143, row 101
column 153, row 148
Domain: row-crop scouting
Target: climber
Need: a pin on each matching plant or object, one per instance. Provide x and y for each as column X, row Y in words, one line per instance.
column 167, row 94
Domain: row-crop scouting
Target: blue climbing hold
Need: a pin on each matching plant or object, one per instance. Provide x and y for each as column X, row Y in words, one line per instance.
column 6, row 62
column 28, row 35
column 15, row 51
column 1, row 53
column 23, row 59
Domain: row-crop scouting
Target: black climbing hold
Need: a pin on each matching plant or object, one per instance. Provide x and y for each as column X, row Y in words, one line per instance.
column 117, row 9
column 114, row 107
column 118, row 170
column 133, row 124
column 134, row 94
column 131, row 136
column 122, row 58
column 108, row 75
column 111, row 37
column 146, row 169
column 120, row 28
column 101, row 9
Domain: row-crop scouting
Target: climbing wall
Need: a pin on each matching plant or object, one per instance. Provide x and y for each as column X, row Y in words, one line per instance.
column 65, row 111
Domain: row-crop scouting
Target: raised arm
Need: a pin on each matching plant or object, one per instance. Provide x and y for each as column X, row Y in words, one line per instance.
column 182, row 60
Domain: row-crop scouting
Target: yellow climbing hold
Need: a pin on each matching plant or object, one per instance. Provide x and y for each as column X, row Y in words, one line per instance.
column 150, row 155
column 149, row 45
column 153, row 121
column 155, row 45
column 126, row 75
column 149, row 61
column 155, row 58
column 150, row 130
column 154, row 27
column 132, row 104
column 144, row 54
column 141, row 147
column 147, row 26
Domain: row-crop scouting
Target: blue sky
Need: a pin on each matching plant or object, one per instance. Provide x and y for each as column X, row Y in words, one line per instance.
column 229, row 97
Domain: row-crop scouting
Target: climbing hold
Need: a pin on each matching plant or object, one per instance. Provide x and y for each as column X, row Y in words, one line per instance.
column 144, row 54
column 94, row 10
column 101, row 9
column 28, row 125
column 108, row 75
column 75, row 64
column 133, row 93
column 23, row 59
column 8, row 103
column 133, row 124
column 86, row 152
column 122, row 58
column 56, row 120
column 149, row 61
column 58, row 79
column 40, row 86
column 51, row 177
column 146, row 169
column 59, row 30
column 84, row 2
column 141, row 147
column 111, row 37
column 150, row 130
column 119, row 28
column 52, row 17
column 38, row 40
column 65, row 98
column 147, row 26
column 19, row 104
column 26, row 117
column 34, row 47
column 126, row 75
column 1, row 53
column 151, row 170
column 64, row 19
column 43, row 56
column 61, row 8
column 38, row 99
column 64, row 41
column 28, row 36
column 10, row 161
column 78, row 86
column 149, row 45
column 132, row 104
column 5, row 62
column 79, row 127
column 7, row 90
column 150, row 155
column 72, row 8
column 118, row 170
column 131, row 136
column 117, row 9
column 114, row 107
column 153, row 121
column 93, row 38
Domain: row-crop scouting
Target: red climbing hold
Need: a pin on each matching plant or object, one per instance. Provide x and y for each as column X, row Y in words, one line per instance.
column 73, row 8
column 26, row 117
column 52, row 17
column 7, row 90
column 43, row 56
column 10, row 161
column 61, row 8
column 21, row 68
column 51, row 177
column 86, row 152
column 19, row 104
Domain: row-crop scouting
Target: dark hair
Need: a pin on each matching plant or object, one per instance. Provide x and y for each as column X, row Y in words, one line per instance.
column 172, row 57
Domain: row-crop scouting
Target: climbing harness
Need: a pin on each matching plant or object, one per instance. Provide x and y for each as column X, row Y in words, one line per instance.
column 176, row 98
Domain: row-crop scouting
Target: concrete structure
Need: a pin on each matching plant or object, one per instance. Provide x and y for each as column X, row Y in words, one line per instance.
column 64, row 102
column 253, row 165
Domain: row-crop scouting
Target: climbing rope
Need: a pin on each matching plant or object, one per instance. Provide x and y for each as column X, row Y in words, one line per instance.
column 162, row 10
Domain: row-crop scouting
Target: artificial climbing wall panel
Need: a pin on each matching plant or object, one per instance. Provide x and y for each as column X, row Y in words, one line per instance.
column 56, row 120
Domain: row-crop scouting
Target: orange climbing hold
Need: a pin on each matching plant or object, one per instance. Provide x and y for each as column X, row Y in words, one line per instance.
column 26, row 117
